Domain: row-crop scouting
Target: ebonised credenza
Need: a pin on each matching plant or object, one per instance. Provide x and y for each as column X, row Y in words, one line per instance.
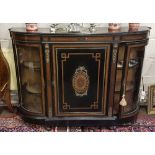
column 67, row 78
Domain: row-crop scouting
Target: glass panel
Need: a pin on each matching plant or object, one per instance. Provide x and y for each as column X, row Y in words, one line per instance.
column 133, row 77
column 30, row 77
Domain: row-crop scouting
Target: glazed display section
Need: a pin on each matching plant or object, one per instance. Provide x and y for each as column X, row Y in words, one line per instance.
column 79, row 78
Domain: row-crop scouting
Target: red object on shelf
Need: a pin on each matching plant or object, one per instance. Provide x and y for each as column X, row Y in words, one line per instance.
column 31, row 27
column 134, row 26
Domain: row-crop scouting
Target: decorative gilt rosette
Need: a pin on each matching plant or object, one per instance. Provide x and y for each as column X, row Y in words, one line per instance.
column 80, row 81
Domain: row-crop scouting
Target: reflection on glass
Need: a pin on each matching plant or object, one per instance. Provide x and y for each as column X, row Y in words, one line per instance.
column 132, row 63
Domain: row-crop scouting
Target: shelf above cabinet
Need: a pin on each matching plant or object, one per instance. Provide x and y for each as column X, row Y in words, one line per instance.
column 33, row 88
column 32, row 65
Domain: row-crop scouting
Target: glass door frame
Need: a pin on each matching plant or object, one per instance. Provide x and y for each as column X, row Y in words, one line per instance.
column 43, row 97
column 125, row 71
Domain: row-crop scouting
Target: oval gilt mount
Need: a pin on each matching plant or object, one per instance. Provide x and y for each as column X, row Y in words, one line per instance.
column 80, row 81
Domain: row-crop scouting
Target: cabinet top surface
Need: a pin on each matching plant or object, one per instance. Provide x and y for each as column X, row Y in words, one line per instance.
column 83, row 31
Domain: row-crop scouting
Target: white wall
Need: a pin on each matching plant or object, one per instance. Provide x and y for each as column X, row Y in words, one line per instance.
column 149, row 60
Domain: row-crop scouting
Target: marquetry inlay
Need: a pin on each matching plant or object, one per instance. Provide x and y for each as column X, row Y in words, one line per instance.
column 80, row 81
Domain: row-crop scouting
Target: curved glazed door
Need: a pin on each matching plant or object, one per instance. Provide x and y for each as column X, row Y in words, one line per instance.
column 80, row 79
column 31, row 78
column 129, row 67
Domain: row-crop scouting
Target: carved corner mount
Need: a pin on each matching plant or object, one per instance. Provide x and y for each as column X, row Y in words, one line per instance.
column 114, row 55
column 47, row 53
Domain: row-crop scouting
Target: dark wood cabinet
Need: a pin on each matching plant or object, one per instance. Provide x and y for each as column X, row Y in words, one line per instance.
column 79, row 78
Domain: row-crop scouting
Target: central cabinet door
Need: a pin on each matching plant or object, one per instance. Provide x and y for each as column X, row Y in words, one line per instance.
column 80, row 79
